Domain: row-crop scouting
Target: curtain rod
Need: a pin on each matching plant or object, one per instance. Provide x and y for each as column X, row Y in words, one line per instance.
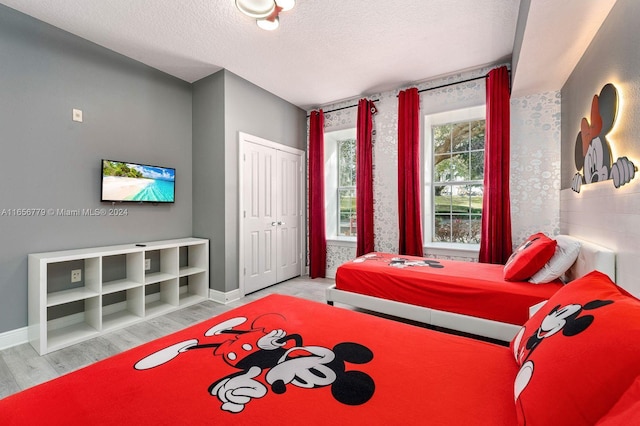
column 345, row 107
column 453, row 84
column 461, row 82
column 429, row 88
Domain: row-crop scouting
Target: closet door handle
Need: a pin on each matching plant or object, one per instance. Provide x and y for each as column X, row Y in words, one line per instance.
column 280, row 223
column 274, row 223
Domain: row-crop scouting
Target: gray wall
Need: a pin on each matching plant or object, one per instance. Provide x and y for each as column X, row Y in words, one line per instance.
column 246, row 108
column 208, row 170
column 600, row 212
column 131, row 112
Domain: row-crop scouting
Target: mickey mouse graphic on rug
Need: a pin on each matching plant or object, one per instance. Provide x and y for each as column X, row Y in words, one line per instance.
column 567, row 321
column 260, row 347
column 592, row 150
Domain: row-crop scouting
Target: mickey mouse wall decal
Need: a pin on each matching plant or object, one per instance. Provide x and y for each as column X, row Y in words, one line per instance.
column 592, row 150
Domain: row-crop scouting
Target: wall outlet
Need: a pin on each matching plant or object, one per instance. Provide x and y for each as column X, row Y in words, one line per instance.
column 76, row 115
column 147, row 264
column 76, row 275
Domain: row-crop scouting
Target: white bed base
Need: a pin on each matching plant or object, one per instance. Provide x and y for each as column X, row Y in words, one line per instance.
column 592, row 257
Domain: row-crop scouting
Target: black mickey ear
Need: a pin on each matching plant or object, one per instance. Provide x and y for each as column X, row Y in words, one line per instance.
column 577, row 325
column 594, row 304
column 353, row 388
column 608, row 105
column 579, row 155
column 353, row 352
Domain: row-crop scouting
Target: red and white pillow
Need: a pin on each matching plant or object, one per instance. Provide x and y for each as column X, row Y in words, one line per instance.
column 532, row 255
column 566, row 253
column 578, row 354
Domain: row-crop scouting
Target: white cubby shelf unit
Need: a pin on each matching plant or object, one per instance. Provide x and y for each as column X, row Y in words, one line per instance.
column 119, row 286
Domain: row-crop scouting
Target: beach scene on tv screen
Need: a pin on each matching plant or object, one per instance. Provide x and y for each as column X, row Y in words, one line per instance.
column 136, row 182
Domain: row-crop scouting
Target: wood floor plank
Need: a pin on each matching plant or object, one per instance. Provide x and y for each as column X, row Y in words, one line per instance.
column 27, row 367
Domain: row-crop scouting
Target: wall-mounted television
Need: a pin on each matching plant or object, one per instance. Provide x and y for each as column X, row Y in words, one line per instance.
column 137, row 183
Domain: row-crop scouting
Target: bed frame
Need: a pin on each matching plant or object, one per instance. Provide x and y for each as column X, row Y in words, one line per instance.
column 591, row 257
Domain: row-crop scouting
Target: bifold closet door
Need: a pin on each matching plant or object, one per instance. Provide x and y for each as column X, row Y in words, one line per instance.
column 272, row 210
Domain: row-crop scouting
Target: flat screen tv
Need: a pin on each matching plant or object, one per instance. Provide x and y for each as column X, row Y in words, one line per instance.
column 137, row 183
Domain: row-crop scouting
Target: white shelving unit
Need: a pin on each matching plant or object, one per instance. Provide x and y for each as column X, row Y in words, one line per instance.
column 114, row 291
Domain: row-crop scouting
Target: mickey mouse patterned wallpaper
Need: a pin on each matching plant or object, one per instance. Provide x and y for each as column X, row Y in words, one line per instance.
column 535, row 160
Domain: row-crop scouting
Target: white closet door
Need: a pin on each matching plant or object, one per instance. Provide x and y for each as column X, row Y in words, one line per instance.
column 260, row 221
column 289, row 213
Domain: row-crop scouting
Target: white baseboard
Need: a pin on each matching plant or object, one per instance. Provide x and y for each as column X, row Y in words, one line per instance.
column 224, row 298
column 14, row 337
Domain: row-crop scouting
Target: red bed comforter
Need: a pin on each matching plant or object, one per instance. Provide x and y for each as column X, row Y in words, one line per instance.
column 283, row 360
column 468, row 288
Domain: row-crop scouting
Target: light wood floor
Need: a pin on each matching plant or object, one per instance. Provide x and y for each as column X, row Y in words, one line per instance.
column 21, row 367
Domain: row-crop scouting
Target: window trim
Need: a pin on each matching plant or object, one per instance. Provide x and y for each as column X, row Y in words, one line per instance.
column 463, row 114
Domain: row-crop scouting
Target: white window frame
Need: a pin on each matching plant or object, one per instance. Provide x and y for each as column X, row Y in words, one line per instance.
column 331, row 183
column 464, row 114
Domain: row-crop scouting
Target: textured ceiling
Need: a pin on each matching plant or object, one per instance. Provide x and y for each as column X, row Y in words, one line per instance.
column 324, row 50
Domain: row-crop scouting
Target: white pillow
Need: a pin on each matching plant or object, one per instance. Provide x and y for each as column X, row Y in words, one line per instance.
column 566, row 254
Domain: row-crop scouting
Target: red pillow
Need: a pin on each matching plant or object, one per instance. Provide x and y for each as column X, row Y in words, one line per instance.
column 578, row 354
column 627, row 409
column 532, row 255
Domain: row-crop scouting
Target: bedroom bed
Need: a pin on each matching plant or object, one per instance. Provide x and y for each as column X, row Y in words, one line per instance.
column 285, row 360
column 466, row 296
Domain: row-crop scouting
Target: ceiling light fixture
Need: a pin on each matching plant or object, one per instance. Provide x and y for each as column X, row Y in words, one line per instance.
column 265, row 12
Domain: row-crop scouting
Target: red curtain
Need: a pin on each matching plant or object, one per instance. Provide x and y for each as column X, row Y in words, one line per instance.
column 364, row 178
column 495, row 239
column 317, row 233
column 409, row 173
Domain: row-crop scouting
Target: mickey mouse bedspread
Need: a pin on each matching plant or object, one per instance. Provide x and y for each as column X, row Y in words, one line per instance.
column 283, row 360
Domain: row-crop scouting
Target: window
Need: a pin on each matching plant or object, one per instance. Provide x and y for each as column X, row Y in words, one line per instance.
column 454, row 175
column 346, row 187
column 340, row 183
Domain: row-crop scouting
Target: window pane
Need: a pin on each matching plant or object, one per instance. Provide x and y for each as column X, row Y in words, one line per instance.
column 477, row 134
column 347, row 212
column 460, row 200
column 347, row 162
column 476, row 227
column 460, row 229
column 477, row 165
column 475, row 194
column 442, row 168
column 442, row 199
column 442, row 228
column 460, row 166
column 441, row 138
column 460, row 137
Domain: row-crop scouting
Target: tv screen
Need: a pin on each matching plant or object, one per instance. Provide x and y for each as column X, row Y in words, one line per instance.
column 137, row 183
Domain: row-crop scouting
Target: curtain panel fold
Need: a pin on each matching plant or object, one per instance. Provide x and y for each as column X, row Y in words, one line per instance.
column 495, row 238
column 409, row 217
column 364, row 178
column 317, row 229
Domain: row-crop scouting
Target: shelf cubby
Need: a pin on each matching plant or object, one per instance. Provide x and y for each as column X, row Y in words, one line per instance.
column 122, row 272
column 193, row 288
column 161, row 297
column 74, row 325
column 121, row 308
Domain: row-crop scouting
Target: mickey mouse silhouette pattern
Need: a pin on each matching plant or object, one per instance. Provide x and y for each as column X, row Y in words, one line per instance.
column 260, row 347
column 592, row 150
column 569, row 320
